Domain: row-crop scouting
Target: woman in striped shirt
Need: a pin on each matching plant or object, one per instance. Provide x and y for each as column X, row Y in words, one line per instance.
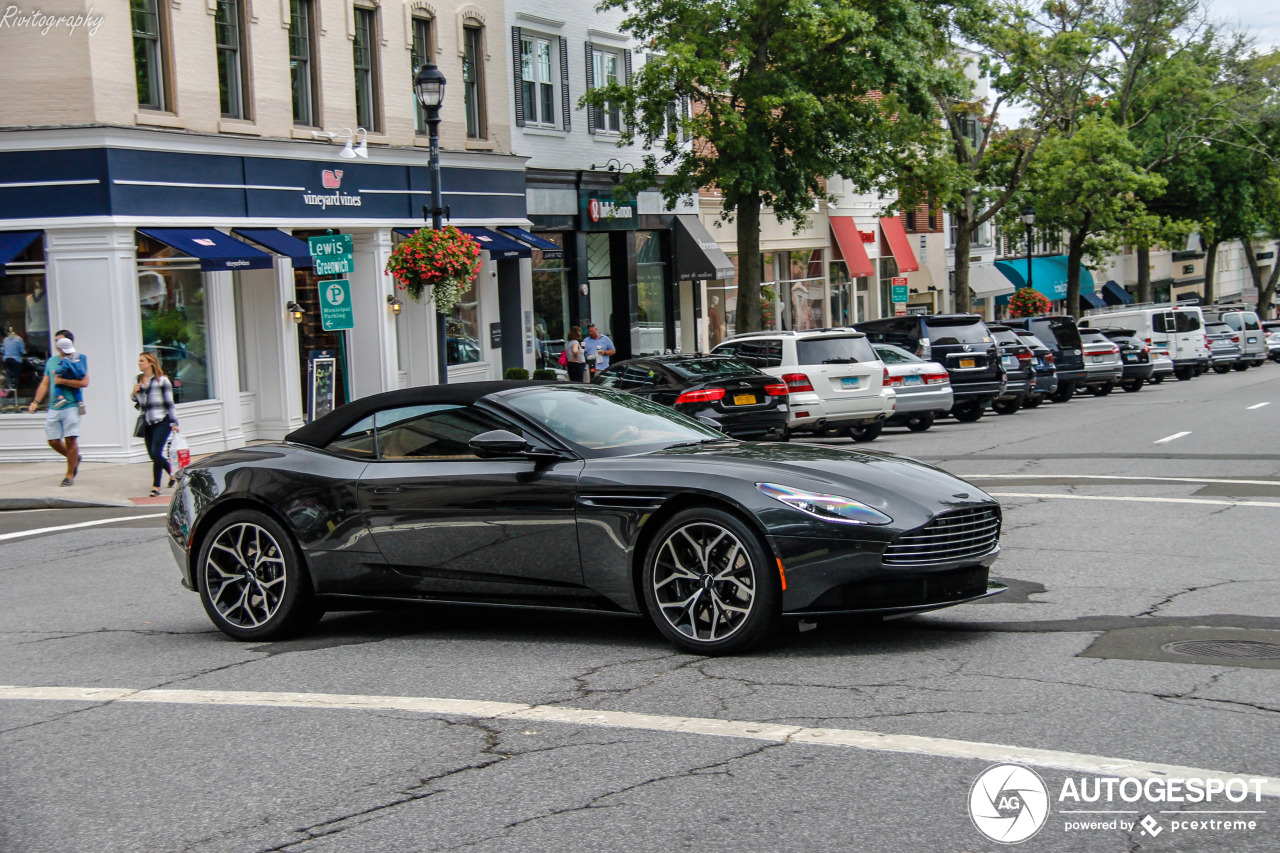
column 153, row 396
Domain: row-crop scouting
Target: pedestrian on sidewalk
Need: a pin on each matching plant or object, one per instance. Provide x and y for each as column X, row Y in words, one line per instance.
column 599, row 348
column 575, row 355
column 62, row 424
column 153, row 397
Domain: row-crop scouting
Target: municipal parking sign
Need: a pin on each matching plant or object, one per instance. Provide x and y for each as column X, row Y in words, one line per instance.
column 335, row 305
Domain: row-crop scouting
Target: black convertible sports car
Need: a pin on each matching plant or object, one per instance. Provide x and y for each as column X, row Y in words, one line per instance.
column 570, row 496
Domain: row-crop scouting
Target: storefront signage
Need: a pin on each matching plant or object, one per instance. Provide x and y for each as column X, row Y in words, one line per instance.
column 332, row 255
column 602, row 211
column 900, row 290
column 335, row 305
column 867, row 236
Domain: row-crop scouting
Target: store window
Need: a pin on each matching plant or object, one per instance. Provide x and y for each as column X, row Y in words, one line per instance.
column 722, row 307
column 651, row 295
column 843, row 294
column 171, row 309
column 551, row 316
column 462, row 329
column 24, row 328
column 802, row 292
column 600, row 285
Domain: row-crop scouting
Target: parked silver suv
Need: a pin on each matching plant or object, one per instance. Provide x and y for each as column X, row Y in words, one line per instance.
column 835, row 380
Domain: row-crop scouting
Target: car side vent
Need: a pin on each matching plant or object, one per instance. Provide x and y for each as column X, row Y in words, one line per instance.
column 957, row 535
column 621, row 501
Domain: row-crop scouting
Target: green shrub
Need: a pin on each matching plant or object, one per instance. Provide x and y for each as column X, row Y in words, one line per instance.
column 515, row 373
column 544, row 373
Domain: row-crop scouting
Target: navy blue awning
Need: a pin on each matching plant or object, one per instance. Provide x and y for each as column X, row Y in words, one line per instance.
column 1114, row 294
column 216, row 251
column 499, row 246
column 550, row 251
column 281, row 243
column 14, row 243
column 1091, row 300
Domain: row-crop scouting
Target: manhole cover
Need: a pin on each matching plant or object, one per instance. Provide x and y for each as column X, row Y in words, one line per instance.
column 1224, row 649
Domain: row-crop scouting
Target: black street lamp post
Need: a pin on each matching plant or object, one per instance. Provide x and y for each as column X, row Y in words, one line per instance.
column 428, row 86
column 1028, row 219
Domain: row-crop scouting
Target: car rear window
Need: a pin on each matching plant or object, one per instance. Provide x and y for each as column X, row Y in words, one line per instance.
column 1185, row 321
column 842, row 350
column 890, row 354
column 1092, row 337
column 967, row 332
column 1218, row 328
column 1251, row 322
column 1057, row 330
column 1005, row 336
column 711, row 368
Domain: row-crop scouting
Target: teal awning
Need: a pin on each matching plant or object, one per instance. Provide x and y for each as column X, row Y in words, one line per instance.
column 1048, row 275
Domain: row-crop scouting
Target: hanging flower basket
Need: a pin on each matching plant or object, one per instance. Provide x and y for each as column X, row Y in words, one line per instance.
column 445, row 259
column 1029, row 302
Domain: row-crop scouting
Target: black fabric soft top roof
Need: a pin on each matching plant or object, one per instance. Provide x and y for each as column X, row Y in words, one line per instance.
column 321, row 431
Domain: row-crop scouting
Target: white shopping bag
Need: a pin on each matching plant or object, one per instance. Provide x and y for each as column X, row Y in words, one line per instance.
column 177, row 452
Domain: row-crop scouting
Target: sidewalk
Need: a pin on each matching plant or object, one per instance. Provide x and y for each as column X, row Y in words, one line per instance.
column 35, row 485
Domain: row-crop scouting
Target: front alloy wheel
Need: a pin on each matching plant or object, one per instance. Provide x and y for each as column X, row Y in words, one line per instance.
column 708, row 585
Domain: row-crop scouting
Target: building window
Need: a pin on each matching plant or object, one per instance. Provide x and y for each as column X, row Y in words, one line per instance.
column 302, row 62
column 550, row 303
column 24, row 328
column 233, row 75
column 150, row 53
column 419, row 56
column 462, row 329
column 473, row 81
column 606, row 69
column 911, row 220
column 536, row 81
column 171, row 294
column 366, row 62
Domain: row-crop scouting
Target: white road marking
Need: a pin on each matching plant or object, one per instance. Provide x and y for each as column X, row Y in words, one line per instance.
column 1134, row 500
column 1257, row 406
column 38, row 531
column 772, row 732
column 1114, row 477
column 1171, row 437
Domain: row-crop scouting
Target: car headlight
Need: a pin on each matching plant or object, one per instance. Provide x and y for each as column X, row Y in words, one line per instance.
column 835, row 508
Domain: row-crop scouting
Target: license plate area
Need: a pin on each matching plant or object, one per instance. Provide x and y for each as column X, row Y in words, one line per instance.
column 966, row 363
column 912, row 380
column 847, row 382
column 744, row 399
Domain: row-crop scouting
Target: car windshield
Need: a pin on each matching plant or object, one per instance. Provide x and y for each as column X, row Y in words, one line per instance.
column 890, row 354
column 603, row 422
column 846, row 349
column 711, row 368
column 964, row 332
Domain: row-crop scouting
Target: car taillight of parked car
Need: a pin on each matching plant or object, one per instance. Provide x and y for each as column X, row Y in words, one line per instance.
column 1026, row 356
column 708, row 395
column 776, row 389
column 891, row 381
column 1048, row 358
column 797, row 382
column 936, row 379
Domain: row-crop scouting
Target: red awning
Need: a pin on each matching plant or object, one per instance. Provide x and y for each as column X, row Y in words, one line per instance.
column 899, row 244
column 849, row 241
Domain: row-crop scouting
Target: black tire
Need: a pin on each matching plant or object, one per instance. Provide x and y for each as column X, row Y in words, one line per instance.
column 253, row 607
column 1032, row 400
column 1006, row 407
column 920, row 422
column 1222, row 369
column 1102, row 390
column 967, row 413
column 1202, row 369
column 1241, row 366
column 1183, row 373
column 1132, row 386
column 1156, row 380
column 675, row 584
column 1065, row 392
column 866, row 432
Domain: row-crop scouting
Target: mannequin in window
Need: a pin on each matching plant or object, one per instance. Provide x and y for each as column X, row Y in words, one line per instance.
column 12, row 349
column 37, row 321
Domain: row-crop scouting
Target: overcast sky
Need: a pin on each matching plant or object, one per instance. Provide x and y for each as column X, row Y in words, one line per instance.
column 1262, row 17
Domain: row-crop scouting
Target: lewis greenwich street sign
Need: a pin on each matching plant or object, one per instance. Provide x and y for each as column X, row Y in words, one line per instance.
column 332, row 254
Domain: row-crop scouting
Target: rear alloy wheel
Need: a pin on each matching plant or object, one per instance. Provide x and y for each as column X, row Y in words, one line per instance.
column 1102, row 390
column 1131, row 385
column 252, row 581
column 709, row 586
column 866, row 432
column 921, row 422
column 1222, row 369
column 1065, row 392
column 967, row 413
column 1006, row 407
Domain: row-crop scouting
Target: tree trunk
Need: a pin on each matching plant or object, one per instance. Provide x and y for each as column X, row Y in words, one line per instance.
column 1210, row 268
column 1075, row 254
column 1266, row 295
column 748, row 224
column 1144, row 274
column 964, row 236
column 1255, row 272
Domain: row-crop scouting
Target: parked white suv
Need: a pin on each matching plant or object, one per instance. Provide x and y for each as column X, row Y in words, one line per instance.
column 834, row 378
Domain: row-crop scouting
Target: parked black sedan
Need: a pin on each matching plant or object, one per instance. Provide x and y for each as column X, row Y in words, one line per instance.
column 1135, row 357
column 743, row 401
column 558, row 495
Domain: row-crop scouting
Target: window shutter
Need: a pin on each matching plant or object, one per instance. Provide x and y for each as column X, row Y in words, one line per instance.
column 518, row 75
column 626, row 66
column 591, row 84
column 566, row 104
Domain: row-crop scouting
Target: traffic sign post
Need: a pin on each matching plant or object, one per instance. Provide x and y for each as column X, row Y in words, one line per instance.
column 899, row 295
column 335, row 305
column 332, row 254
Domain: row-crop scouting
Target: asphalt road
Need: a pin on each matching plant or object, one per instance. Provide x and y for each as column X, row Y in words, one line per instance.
column 847, row 737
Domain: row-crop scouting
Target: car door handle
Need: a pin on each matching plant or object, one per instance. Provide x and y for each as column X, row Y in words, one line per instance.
column 385, row 490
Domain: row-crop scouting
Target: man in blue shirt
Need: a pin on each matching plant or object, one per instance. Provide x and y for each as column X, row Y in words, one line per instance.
column 62, row 424
column 598, row 348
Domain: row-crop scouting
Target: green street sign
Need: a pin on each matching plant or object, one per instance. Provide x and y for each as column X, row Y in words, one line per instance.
column 332, row 255
column 335, row 305
column 900, row 293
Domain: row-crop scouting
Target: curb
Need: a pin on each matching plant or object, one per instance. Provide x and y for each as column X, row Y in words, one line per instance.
column 9, row 504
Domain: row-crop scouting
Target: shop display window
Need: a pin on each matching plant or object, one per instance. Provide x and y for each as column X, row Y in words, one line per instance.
column 550, row 303
column 24, row 328
column 171, row 309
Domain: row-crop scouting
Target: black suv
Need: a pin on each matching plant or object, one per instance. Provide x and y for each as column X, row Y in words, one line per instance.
column 1136, row 356
column 1019, row 370
column 1059, row 333
column 961, row 343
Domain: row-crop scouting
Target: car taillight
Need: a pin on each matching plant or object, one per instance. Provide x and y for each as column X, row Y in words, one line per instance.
column 891, row 381
column 1207, row 345
column 1148, row 340
column 1048, row 358
column 1146, row 350
column 1235, row 339
column 1113, row 351
column 936, row 379
column 776, row 389
column 797, row 382
column 1026, row 356
column 708, row 395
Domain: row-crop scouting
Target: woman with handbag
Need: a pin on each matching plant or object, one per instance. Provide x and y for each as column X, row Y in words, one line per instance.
column 153, row 398
column 575, row 356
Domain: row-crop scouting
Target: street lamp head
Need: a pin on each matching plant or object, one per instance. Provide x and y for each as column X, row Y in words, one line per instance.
column 1029, row 215
column 428, row 86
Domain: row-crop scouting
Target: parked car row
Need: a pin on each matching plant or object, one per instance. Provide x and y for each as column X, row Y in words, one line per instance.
column 911, row 370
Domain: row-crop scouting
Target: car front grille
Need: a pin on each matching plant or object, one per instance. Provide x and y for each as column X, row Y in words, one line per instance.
column 958, row 535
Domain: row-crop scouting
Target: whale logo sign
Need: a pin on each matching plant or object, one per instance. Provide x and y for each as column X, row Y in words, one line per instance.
column 1008, row 803
column 331, row 178
column 593, row 209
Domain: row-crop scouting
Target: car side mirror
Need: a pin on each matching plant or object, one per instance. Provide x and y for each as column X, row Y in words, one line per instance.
column 498, row 442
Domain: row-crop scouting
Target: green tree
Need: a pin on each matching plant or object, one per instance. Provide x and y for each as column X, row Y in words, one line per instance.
column 780, row 95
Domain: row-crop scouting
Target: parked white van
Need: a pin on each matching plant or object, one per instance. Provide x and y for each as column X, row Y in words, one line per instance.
column 1174, row 327
column 1247, row 332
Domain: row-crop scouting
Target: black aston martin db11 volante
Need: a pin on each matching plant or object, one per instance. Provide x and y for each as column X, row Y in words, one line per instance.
column 555, row 495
